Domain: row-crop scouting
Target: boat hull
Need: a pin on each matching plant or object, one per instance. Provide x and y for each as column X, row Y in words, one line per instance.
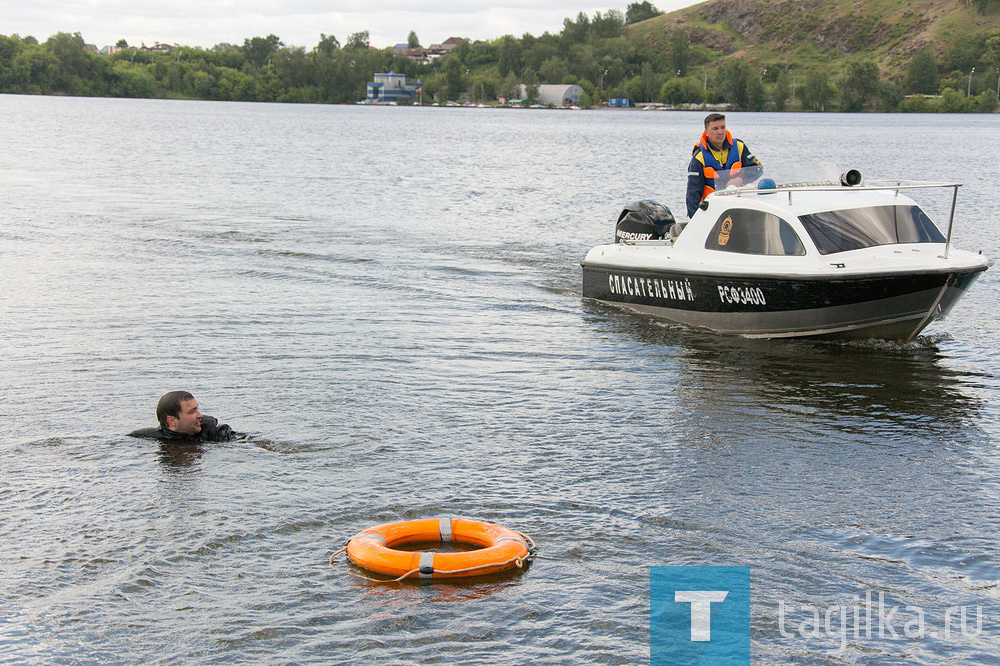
column 886, row 306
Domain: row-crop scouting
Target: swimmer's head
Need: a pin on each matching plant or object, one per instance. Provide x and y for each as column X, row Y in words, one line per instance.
column 178, row 411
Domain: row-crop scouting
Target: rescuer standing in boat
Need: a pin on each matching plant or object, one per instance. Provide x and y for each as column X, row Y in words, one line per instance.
column 716, row 151
column 181, row 421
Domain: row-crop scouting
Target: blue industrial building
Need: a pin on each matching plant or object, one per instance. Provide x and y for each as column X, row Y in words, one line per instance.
column 391, row 87
column 620, row 102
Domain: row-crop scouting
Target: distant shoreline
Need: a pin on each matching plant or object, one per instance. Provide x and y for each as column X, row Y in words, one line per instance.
column 640, row 107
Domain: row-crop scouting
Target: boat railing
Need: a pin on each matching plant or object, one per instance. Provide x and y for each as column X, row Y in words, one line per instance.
column 829, row 186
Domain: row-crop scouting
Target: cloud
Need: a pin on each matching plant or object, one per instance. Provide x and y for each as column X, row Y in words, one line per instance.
column 296, row 22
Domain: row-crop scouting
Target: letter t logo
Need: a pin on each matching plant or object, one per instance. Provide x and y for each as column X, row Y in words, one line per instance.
column 701, row 610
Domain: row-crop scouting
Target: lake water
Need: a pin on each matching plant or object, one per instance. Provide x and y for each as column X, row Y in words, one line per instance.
column 388, row 301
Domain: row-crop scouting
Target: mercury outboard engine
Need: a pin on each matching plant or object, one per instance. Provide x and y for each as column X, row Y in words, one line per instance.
column 644, row 220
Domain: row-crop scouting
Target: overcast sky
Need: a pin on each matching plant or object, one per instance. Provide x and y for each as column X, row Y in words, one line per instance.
column 206, row 23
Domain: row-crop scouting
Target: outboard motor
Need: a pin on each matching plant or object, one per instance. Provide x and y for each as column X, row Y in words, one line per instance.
column 644, row 220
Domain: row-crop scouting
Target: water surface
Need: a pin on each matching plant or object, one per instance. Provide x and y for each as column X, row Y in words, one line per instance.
column 388, row 300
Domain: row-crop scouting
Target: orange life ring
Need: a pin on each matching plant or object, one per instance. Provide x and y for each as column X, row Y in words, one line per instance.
column 502, row 548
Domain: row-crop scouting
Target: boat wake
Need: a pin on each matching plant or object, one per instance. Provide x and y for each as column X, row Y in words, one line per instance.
column 874, row 344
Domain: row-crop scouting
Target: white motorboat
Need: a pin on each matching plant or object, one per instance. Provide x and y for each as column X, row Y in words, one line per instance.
column 850, row 259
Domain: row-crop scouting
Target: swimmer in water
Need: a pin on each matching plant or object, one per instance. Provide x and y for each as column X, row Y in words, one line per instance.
column 181, row 421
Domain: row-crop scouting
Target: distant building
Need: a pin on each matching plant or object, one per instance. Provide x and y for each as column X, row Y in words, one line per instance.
column 620, row 102
column 556, row 95
column 391, row 87
column 225, row 46
column 437, row 50
column 160, row 48
column 418, row 54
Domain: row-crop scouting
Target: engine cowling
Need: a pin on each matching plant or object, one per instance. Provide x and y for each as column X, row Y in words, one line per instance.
column 644, row 220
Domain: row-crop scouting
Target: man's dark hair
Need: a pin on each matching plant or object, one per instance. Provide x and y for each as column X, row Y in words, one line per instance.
column 712, row 117
column 170, row 405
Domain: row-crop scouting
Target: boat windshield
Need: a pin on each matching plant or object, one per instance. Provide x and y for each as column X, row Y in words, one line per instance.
column 856, row 228
column 733, row 178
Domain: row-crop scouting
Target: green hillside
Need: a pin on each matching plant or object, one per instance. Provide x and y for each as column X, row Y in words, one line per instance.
column 812, row 55
column 823, row 34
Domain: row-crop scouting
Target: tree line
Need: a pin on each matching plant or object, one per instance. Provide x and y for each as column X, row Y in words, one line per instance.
column 594, row 52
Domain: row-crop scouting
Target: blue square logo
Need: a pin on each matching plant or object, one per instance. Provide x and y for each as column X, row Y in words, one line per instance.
column 699, row 615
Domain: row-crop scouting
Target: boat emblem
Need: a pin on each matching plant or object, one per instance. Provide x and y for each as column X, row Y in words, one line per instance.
column 727, row 226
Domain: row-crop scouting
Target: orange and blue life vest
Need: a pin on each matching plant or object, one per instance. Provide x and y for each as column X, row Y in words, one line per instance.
column 707, row 166
column 710, row 163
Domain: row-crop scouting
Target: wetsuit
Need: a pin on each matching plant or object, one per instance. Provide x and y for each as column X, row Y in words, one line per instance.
column 211, row 431
column 705, row 166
